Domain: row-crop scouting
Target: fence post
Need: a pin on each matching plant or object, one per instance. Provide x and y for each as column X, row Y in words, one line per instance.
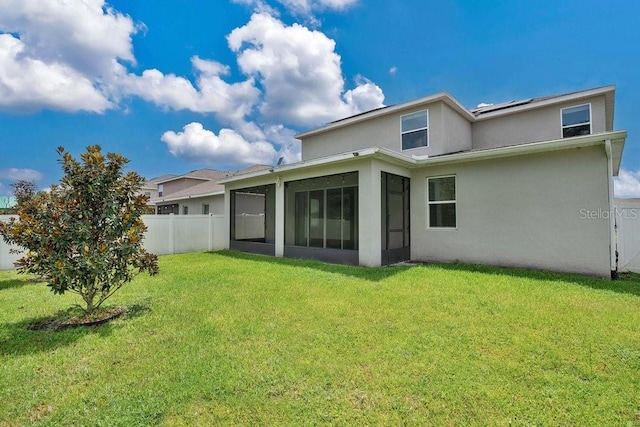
column 210, row 222
column 172, row 228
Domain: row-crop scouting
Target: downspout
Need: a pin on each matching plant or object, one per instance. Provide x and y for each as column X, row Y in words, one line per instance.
column 613, row 261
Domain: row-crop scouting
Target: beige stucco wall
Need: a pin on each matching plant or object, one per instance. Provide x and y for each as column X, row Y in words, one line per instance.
column 382, row 132
column 526, row 211
column 178, row 184
column 448, row 132
column 541, row 124
column 457, row 136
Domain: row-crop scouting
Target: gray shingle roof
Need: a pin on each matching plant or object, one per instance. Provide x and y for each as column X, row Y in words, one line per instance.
column 207, row 187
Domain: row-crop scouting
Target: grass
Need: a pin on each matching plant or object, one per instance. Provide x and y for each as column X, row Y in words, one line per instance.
column 233, row 339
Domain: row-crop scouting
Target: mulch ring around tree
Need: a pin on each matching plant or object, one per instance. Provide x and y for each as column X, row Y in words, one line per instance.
column 71, row 319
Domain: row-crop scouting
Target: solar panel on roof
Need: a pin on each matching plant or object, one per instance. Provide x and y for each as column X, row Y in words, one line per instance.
column 501, row 106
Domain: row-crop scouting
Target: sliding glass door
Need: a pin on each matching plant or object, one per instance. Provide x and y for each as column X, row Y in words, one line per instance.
column 326, row 218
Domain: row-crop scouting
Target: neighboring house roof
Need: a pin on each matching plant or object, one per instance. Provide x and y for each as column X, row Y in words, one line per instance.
column 162, row 178
column 204, row 189
column 206, row 174
column 208, row 187
column 200, row 174
column 480, row 113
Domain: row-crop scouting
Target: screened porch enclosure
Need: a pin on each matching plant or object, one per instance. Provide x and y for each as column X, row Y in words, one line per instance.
column 321, row 220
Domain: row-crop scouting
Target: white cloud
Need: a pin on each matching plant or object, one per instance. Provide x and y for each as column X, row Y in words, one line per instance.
column 366, row 96
column 300, row 7
column 72, row 56
column 16, row 174
column 393, row 71
column 627, row 184
column 307, row 7
column 232, row 102
column 290, row 148
column 61, row 54
column 258, row 6
column 300, row 72
column 28, row 84
column 335, row 4
column 195, row 143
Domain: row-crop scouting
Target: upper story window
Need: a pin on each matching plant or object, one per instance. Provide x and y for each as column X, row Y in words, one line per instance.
column 576, row 121
column 160, row 190
column 205, row 209
column 415, row 130
column 185, row 210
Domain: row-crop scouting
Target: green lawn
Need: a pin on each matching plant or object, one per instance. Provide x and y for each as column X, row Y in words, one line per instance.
column 226, row 338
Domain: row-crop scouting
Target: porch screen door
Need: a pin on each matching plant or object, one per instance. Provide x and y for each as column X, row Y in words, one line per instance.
column 395, row 219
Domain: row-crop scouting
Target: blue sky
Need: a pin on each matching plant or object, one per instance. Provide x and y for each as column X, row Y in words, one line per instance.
column 180, row 85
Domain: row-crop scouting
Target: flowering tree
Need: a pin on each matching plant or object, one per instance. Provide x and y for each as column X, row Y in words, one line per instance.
column 85, row 234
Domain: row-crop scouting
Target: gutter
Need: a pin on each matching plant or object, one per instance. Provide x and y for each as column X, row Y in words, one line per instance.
column 613, row 250
column 528, row 148
column 418, row 162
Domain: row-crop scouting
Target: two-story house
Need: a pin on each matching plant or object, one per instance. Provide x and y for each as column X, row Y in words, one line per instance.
column 512, row 184
column 194, row 193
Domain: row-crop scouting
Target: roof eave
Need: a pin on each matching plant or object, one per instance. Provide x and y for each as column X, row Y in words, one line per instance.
column 617, row 138
column 607, row 91
column 440, row 96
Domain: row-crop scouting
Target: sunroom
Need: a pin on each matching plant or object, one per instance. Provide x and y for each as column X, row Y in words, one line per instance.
column 351, row 208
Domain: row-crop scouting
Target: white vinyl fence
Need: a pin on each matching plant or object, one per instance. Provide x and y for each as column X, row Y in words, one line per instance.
column 6, row 258
column 628, row 221
column 166, row 234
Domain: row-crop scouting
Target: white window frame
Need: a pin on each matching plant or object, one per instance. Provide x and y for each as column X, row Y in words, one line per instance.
column 185, row 209
column 563, row 127
column 426, row 111
column 206, row 207
column 441, row 202
column 160, row 190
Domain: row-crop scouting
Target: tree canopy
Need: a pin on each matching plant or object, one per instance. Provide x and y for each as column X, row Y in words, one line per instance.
column 85, row 234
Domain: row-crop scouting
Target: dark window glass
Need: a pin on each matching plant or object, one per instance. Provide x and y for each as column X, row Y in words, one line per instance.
column 414, row 139
column 442, row 215
column 575, row 115
column 442, row 202
column 576, row 121
column 442, row 189
column 414, row 130
column 414, row 121
column 576, row 131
